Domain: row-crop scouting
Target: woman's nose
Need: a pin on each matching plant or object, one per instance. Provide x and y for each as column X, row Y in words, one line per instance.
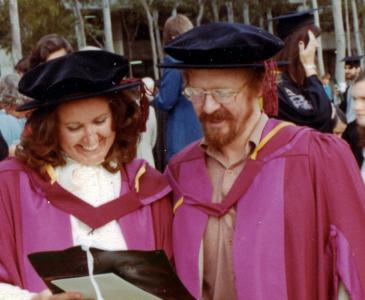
column 90, row 135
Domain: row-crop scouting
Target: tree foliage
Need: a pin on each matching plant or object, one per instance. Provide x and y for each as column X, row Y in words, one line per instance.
column 37, row 18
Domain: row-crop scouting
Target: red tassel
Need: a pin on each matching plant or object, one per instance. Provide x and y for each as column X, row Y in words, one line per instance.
column 144, row 104
column 271, row 103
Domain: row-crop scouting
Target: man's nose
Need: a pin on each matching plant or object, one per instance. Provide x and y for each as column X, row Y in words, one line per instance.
column 210, row 105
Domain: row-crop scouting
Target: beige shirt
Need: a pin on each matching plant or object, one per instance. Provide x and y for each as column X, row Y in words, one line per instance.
column 218, row 275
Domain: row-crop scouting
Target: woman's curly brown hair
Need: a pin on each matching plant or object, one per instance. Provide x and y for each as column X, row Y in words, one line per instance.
column 40, row 146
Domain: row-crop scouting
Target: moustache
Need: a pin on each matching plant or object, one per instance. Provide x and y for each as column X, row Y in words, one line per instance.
column 217, row 116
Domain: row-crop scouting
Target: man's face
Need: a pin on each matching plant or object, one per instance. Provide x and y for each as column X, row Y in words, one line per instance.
column 223, row 122
column 351, row 72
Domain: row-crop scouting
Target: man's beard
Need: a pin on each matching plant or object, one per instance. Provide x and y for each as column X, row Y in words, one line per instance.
column 214, row 137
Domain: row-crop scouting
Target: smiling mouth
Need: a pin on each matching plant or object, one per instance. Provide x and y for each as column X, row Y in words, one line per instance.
column 93, row 148
column 89, row 149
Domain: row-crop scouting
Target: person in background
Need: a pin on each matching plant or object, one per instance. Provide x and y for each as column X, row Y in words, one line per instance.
column 327, row 85
column 10, row 125
column 302, row 98
column 148, row 138
column 352, row 71
column 340, row 122
column 49, row 47
column 22, row 66
column 263, row 209
column 355, row 132
column 11, row 98
column 183, row 126
column 74, row 179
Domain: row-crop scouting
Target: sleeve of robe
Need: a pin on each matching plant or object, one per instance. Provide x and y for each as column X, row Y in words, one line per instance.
column 340, row 188
column 161, row 209
column 319, row 117
column 162, row 220
column 11, row 281
column 10, row 220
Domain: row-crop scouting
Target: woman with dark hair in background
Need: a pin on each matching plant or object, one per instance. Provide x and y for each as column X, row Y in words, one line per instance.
column 49, row 47
column 22, row 66
column 302, row 98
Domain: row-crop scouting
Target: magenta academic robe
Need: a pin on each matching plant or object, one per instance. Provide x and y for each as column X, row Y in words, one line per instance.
column 300, row 219
column 35, row 216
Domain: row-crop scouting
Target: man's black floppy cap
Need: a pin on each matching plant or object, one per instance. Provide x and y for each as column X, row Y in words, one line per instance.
column 352, row 60
column 289, row 23
column 223, row 45
column 75, row 76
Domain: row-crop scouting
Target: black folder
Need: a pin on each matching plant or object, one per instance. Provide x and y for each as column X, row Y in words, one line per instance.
column 150, row 271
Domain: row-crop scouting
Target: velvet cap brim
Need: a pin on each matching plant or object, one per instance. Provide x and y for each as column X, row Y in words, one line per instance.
column 78, row 75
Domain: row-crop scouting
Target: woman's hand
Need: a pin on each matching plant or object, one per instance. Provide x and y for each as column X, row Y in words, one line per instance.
column 47, row 295
column 307, row 55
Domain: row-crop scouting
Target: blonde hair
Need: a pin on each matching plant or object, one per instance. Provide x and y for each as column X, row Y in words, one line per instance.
column 174, row 26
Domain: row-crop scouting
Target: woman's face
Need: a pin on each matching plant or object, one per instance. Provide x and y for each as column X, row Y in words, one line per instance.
column 86, row 131
column 358, row 94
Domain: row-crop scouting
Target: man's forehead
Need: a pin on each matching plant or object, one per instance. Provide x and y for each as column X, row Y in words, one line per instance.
column 350, row 66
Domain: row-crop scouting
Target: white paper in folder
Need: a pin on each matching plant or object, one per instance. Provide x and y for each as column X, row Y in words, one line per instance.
column 112, row 287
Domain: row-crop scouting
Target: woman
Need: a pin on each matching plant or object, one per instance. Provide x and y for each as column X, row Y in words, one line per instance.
column 302, row 98
column 355, row 132
column 49, row 47
column 74, row 179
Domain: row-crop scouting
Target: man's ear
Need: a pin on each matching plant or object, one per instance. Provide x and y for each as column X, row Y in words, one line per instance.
column 260, row 92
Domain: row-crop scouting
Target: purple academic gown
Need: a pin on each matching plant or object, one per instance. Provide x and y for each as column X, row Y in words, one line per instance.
column 300, row 218
column 35, row 216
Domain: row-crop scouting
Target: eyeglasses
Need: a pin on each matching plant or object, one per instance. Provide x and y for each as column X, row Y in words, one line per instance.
column 221, row 96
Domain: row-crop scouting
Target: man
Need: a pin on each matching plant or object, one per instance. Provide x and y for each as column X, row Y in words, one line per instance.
column 183, row 126
column 352, row 70
column 263, row 209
